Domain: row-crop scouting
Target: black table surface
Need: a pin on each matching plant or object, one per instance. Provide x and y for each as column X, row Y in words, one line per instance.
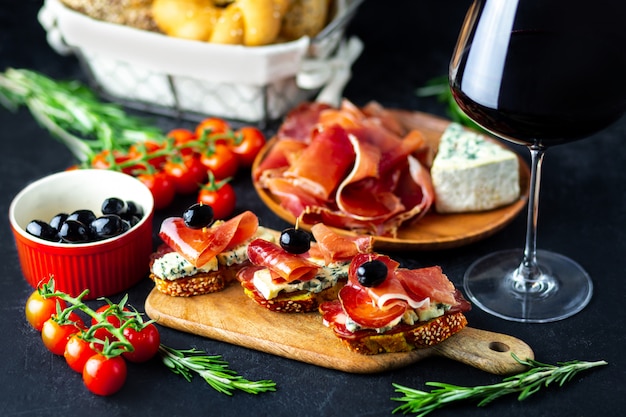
column 407, row 42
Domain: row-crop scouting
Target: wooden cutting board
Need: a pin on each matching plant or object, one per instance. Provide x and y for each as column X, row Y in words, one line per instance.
column 230, row 316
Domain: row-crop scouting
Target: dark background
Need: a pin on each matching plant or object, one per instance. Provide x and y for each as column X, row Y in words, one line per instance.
column 407, row 42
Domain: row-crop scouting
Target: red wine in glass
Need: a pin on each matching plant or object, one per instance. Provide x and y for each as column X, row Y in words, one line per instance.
column 538, row 73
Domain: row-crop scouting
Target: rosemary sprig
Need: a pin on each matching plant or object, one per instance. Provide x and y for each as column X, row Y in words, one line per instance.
column 212, row 369
column 524, row 384
column 72, row 113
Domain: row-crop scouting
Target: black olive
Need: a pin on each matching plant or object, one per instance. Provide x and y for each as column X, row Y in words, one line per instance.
column 295, row 241
column 107, row 226
column 84, row 216
column 198, row 216
column 73, row 231
column 58, row 220
column 131, row 220
column 134, row 209
column 114, row 205
column 42, row 230
column 371, row 273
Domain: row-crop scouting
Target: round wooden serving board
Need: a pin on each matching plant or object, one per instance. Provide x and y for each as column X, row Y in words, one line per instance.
column 230, row 316
column 434, row 231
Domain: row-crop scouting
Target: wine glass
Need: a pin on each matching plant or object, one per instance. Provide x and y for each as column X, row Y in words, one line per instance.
column 538, row 73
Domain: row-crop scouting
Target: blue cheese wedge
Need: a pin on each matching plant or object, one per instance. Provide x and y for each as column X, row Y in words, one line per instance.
column 471, row 173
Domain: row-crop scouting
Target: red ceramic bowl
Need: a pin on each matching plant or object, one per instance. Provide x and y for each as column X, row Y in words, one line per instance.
column 104, row 267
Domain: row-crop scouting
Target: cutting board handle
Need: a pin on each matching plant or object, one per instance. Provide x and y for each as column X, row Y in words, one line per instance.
column 486, row 350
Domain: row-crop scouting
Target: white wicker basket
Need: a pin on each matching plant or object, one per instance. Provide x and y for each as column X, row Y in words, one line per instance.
column 190, row 79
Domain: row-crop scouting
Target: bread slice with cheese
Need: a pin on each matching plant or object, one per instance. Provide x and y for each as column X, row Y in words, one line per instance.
column 473, row 173
column 405, row 310
column 174, row 275
column 193, row 261
column 298, row 283
column 294, row 297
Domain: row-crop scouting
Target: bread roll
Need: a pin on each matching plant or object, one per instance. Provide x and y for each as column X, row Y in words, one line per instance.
column 134, row 13
column 229, row 27
column 305, row 18
column 188, row 19
column 261, row 21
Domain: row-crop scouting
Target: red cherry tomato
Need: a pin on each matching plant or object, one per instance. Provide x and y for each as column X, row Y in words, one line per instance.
column 39, row 309
column 104, row 376
column 145, row 343
column 110, row 160
column 220, row 160
column 248, row 142
column 212, row 125
column 55, row 336
column 161, row 186
column 103, row 334
column 220, row 196
column 187, row 172
column 181, row 137
column 77, row 352
column 141, row 149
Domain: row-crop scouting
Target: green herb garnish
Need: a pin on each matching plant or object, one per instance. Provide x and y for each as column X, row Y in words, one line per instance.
column 72, row 113
column 524, row 384
column 212, row 369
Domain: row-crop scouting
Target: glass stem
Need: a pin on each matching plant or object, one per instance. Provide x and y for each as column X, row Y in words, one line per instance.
column 528, row 273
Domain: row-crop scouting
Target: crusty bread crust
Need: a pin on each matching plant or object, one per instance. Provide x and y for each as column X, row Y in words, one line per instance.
column 405, row 338
column 295, row 302
column 201, row 283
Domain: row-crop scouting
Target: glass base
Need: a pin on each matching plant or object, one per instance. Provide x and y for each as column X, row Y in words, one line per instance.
column 562, row 289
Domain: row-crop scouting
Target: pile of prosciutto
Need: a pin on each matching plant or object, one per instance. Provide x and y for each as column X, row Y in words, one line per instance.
column 353, row 168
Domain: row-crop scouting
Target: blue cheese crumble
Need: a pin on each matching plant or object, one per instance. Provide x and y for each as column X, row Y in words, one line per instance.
column 410, row 317
column 327, row 277
column 172, row 265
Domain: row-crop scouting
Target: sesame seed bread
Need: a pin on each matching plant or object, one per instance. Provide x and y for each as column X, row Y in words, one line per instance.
column 404, row 338
column 294, row 302
column 202, row 283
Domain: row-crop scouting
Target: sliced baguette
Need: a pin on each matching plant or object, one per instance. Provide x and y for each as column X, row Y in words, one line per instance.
column 404, row 338
column 293, row 302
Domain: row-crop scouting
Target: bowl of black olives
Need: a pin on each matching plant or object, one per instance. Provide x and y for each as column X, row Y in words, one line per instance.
column 87, row 229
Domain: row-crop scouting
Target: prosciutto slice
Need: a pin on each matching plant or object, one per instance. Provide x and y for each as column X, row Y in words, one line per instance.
column 359, row 169
column 278, row 159
column 428, row 282
column 403, row 289
column 323, row 164
column 333, row 247
column 199, row 246
column 284, row 266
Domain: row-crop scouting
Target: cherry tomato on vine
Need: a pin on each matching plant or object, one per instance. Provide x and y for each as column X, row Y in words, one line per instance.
column 187, row 172
column 182, row 136
column 39, row 309
column 104, row 376
column 102, row 334
column 55, row 336
column 248, row 142
column 161, row 186
column 212, row 125
column 141, row 149
column 220, row 160
column 109, row 160
column 77, row 352
column 145, row 343
column 220, row 196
